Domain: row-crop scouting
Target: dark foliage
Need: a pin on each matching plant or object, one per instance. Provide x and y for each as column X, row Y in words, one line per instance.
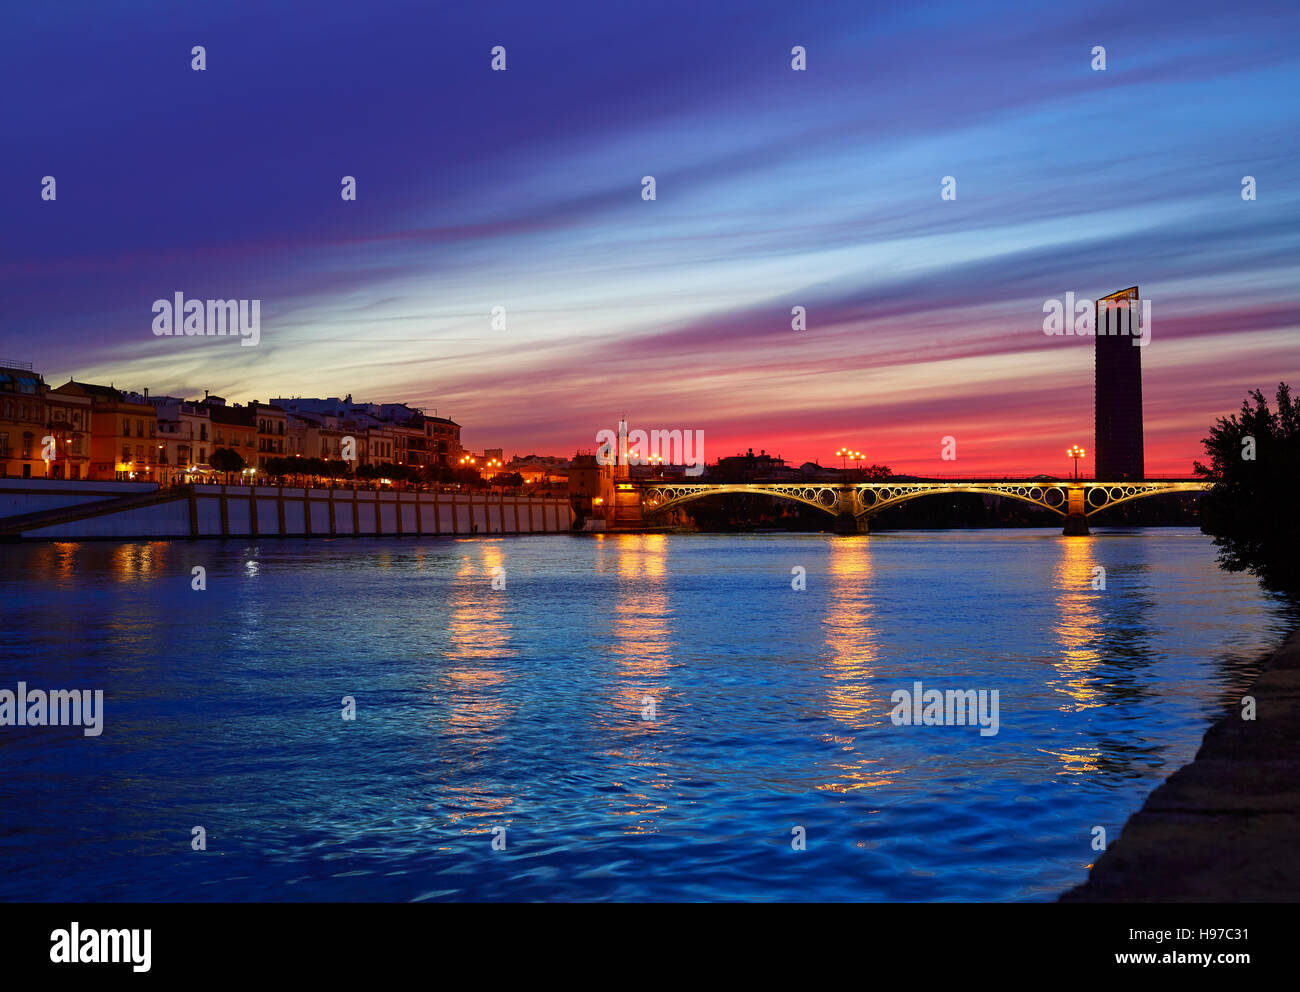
column 1252, row 509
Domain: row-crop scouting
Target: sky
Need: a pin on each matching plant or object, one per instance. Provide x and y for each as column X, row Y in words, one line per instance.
column 774, row 189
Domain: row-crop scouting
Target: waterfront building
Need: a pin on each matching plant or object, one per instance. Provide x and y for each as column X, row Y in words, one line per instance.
column 409, row 441
column 749, row 467
column 185, row 437
column 233, row 427
column 123, row 432
column 442, row 441
column 585, row 475
column 22, row 420
column 386, row 433
column 272, row 423
column 295, row 437
column 379, row 442
column 539, row 469
column 322, row 436
column 1118, row 390
column 68, row 426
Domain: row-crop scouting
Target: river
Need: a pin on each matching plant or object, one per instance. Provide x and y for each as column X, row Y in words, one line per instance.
column 623, row 717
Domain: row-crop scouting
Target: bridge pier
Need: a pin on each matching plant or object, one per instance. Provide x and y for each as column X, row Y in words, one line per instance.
column 1076, row 525
column 1076, row 509
column 847, row 523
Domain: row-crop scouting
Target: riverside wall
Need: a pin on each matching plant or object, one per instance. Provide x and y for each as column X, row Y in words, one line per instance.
column 59, row 510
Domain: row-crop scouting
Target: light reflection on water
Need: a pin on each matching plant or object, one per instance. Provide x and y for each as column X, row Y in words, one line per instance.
column 646, row 716
column 853, row 700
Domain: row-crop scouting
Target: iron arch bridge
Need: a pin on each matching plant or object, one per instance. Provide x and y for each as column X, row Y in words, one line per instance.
column 864, row 499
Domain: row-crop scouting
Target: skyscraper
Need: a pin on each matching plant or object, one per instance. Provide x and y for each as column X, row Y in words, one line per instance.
column 1118, row 388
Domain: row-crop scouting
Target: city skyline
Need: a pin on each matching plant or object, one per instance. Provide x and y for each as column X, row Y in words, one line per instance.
column 775, row 189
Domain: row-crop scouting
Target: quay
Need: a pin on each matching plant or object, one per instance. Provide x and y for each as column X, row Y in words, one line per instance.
column 1223, row 828
column 39, row 509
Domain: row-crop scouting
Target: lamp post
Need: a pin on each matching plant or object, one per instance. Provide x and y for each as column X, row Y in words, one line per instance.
column 1076, row 453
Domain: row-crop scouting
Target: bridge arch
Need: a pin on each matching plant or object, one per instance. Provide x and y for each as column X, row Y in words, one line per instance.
column 872, row 498
column 1099, row 496
column 820, row 496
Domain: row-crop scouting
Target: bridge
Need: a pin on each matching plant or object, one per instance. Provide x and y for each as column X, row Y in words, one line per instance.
column 854, row 503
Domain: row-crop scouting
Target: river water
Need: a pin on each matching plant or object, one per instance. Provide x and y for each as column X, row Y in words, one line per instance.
column 622, row 717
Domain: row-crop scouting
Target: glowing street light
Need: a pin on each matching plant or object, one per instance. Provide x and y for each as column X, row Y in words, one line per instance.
column 1076, row 453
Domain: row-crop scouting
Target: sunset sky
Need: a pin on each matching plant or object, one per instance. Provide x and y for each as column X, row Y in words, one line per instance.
column 775, row 189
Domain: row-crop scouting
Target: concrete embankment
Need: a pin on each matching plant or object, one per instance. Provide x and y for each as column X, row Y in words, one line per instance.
column 60, row 511
column 1225, row 828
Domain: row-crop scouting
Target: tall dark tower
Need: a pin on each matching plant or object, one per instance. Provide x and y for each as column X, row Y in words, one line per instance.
column 1119, row 388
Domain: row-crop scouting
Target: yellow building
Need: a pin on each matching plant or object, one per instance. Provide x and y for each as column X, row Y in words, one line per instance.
column 69, row 431
column 123, row 433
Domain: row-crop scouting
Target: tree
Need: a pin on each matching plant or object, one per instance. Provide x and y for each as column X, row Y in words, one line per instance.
column 435, row 474
column 278, row 467
column 1251, row 511
column 227, row 460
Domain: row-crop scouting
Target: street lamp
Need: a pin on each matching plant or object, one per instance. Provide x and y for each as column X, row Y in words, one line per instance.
column 1076, row 453
column 844, row 454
